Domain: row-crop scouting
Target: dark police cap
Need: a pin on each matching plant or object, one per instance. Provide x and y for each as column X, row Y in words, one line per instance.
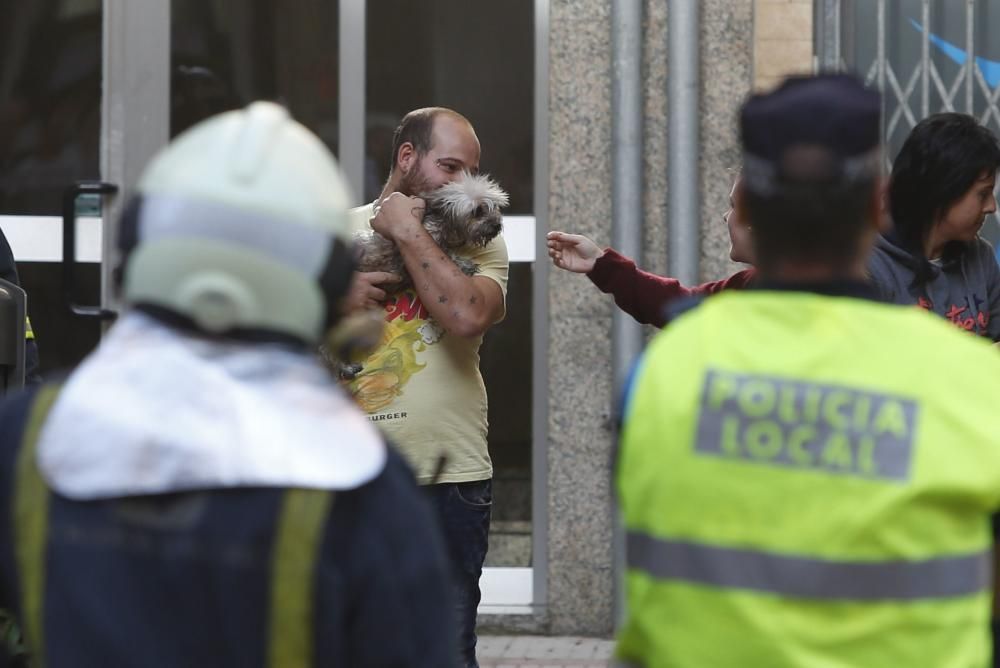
column 818, row 129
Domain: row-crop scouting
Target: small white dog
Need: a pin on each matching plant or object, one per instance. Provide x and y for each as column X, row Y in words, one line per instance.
column 463, row 213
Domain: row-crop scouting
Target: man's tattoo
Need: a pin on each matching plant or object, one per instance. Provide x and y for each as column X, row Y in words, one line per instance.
column 472, row 299
column 442, row 299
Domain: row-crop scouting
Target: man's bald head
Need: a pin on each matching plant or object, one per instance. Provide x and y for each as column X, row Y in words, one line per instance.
column 417, row 129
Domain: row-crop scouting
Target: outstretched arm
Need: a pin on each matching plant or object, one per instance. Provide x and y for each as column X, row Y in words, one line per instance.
column 643, row 295
column 638, row 293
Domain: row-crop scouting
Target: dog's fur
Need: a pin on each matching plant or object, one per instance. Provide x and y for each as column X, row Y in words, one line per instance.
column 463, row 213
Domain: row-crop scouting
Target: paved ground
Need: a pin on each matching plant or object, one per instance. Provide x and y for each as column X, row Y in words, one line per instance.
column 543, row 652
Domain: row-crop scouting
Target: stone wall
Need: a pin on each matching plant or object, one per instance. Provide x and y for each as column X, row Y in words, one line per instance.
column 581, row 400
column 783, row 40
column 745, row 44
column 579, row 544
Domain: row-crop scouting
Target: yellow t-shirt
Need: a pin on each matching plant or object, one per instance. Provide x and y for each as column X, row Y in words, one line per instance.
column 422, row 386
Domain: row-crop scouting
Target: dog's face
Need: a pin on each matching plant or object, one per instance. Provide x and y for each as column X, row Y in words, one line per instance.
column 468, row 210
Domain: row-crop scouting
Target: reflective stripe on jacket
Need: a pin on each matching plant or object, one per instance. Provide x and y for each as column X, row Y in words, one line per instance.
column 244, row 576
column 808, row 480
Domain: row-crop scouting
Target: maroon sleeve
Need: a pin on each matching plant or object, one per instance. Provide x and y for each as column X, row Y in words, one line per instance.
column 737, row 281
column 642, row 295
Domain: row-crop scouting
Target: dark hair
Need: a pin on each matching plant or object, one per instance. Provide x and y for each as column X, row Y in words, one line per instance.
column 810, row 222
column 941, row 159
column 417, row 129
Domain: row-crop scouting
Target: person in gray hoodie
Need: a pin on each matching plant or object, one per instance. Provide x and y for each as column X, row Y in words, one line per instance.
column 940, row 191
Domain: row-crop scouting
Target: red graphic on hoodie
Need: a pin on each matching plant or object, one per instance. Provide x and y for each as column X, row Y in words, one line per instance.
column 962, row 316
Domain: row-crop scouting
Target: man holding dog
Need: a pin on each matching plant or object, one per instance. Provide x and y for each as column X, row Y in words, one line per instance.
column 422, row 384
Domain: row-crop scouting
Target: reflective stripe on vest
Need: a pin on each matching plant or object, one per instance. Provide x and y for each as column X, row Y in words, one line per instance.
column 808, row 577
column 31, row 519
column 293, row 577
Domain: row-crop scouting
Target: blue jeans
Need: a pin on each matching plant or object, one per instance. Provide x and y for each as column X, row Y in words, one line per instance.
column 463, row 509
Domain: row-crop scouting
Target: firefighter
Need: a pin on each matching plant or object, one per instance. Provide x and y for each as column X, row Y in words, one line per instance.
column 199, row 492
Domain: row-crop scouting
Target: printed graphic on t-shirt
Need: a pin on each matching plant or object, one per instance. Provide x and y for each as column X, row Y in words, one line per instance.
column 409, row 330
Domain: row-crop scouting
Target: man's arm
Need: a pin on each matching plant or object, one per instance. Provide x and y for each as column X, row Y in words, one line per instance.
column 463, row 305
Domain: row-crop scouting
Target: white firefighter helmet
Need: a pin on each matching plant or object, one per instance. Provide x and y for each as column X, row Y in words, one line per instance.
column 239, row 227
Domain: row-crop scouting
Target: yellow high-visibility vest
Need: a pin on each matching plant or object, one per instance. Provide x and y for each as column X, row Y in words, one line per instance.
column 808, row 480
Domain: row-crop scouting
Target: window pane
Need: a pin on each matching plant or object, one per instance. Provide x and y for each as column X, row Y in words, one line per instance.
column 50, row 125
column 227, row 53
column 505, row 361
column 50, row 101
column 475, row 57
column 63, row 338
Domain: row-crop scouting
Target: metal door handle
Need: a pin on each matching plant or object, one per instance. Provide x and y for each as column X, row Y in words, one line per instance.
column 69, row 263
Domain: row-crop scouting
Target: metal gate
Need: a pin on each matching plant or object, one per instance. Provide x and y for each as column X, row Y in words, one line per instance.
column 926, row 56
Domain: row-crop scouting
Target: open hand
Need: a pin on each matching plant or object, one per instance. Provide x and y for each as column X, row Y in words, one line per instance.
column 573, row 252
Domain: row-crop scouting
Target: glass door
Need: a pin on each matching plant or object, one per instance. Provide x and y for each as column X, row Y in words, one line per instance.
column 82, row 98
column 91, row 89
column 478, row 58
column 50, row 129
column 226, row 53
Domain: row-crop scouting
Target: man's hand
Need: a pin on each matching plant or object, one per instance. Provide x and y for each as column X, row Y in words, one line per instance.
column 573, row 252
column 396, row 214
column 364, row 292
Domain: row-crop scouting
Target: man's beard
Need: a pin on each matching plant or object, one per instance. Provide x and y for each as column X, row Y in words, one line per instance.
column 415, row 183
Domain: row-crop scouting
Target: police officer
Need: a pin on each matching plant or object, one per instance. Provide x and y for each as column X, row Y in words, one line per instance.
column 797, row 489
column 199, row 492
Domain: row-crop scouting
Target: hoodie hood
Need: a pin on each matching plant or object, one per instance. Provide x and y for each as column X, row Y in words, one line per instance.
column 950, row 260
